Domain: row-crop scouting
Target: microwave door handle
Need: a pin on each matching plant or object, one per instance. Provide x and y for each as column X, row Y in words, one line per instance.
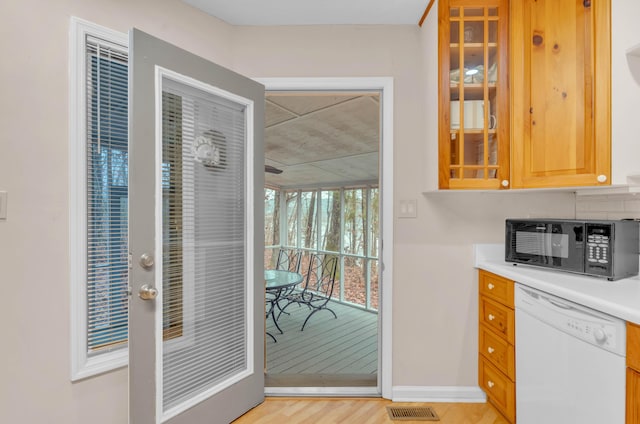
column 548, row 247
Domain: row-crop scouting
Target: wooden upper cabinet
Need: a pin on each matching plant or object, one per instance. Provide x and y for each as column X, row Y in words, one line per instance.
column 473, row 92
column 560, row 104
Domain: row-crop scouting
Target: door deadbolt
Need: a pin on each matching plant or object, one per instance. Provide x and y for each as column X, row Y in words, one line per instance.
column 146, row 261
column 148, row 292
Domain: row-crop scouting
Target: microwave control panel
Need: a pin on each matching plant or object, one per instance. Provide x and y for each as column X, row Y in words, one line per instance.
column 598, row 247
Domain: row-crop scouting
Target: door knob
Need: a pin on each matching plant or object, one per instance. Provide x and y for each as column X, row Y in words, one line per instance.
column 490, row 349
column 490, row 384
column 146, row 261
column 490, row 286
column 148, row 292
column 491, row 317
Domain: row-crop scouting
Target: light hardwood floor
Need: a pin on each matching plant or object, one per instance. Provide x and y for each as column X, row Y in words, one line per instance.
column 361, row 411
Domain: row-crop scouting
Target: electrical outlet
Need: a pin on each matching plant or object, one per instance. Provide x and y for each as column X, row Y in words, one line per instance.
column 3, row 205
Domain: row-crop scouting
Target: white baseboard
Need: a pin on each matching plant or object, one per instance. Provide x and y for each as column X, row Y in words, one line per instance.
column 456, row 394
column 323, row 391
column 468, row 394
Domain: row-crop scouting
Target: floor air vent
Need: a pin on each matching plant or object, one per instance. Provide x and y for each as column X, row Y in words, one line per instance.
column 420, row 413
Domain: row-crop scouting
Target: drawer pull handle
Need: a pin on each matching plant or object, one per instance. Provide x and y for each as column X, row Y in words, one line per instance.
column 491, row 317
column 490, row 286
column 490, row 384
column 490, row 349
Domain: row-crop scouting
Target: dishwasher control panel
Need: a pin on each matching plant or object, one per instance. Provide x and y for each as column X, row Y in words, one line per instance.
column 589, row 325
column 593, row 331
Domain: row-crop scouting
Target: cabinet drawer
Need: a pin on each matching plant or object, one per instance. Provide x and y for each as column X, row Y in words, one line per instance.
column 498, row 351
column 498, row 317
column 499, row 389
column 633, row 346
column 496, row 287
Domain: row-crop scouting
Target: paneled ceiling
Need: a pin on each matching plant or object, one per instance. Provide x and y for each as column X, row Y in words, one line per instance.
column 322, row 139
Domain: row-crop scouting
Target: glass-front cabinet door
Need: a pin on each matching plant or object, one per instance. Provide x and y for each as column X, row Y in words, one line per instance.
column 474, row 104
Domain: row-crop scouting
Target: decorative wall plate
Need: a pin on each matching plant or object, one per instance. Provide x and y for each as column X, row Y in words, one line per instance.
column 210, row 149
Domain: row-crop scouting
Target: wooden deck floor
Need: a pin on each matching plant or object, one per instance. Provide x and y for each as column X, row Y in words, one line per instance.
column 346, row 346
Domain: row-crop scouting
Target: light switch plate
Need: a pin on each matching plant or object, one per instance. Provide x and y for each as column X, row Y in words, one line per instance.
column 3, row 205
column 408, row 209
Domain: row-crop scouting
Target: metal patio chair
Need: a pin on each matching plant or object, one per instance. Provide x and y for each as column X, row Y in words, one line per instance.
column 288, row 260
column 318, row 286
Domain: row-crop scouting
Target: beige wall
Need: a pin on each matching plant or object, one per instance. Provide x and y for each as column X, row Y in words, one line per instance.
column 35, row 382
column 435, row 302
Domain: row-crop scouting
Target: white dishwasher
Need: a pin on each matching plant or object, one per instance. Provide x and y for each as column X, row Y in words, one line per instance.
column 570, row 362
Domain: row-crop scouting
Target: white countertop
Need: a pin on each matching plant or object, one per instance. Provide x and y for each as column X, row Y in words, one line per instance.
column 619, row 298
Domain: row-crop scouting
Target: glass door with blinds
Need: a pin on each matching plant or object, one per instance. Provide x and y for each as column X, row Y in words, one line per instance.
column 197, row 317
column 474, row 147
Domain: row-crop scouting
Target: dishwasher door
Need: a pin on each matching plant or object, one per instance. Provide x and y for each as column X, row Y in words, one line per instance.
column 570, row 362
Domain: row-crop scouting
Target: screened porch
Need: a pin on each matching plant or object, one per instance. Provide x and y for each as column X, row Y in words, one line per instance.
column 322, row 199
column 340, row 223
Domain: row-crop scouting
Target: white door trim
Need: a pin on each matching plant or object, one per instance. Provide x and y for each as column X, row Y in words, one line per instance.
column 385, row 85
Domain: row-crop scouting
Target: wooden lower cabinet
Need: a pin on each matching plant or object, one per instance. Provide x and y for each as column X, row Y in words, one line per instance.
column 496, row 343
column 633, row 374
column 633, row 397
column 498, row 317
column 497, row 288
column 498, row 351
column 500, row 389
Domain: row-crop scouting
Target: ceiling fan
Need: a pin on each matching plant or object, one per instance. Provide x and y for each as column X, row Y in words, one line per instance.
column 272, row 169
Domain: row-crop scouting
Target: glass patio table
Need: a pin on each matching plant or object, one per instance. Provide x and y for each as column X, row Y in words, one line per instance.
column 277, row 282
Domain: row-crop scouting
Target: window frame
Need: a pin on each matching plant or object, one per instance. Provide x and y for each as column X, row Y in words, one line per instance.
column 82, row 364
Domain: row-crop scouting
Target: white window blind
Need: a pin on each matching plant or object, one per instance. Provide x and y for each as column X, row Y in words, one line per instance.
column 107, row 207
column 98, row 174
column 204, row 242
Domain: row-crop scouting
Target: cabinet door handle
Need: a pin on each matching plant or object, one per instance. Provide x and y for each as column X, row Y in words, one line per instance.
column 505, row 183
column 490, row 286
column 490, row 384
column 490, row 349
column 491, row 317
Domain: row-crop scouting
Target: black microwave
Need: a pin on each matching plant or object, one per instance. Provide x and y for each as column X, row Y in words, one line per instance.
column 607, row 249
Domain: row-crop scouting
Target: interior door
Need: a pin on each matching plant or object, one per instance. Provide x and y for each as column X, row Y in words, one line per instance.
column 196, row 177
